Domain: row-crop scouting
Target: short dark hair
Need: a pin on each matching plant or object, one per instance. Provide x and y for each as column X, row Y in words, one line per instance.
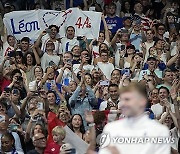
column 14, row 72
column 25, row 39
column 57, row 28
column 162, row 87
column 135, row 86
column 53, row 92
column 112, row 85
column 70, row 27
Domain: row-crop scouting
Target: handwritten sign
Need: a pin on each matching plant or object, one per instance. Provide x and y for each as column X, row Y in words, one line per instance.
column 31, row 23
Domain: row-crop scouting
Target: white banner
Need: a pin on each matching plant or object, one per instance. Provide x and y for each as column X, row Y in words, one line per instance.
column 31, row 23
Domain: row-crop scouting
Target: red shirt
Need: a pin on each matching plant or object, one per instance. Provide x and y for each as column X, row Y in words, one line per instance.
column 4, row 83
column 52, row 148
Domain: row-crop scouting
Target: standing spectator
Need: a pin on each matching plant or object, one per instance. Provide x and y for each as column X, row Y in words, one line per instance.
column 105, row 66
column 114, row 97
column 69, row 41
column 114, row 22
column 82, row 98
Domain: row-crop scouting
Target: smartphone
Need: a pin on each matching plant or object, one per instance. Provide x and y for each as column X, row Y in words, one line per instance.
column 15, row 91
column 2, row 118
column 10, row 54
column 48, row 31
column 69, row 61
column 144, row 72
column 123, row 47
column 13, row 127
column 71, row 151
column 40, row 106
column 7, row 89
column 125, row 71
column 51, row 63
column 79, row 38
column 95, row 43
column 19, row 78
column 104, row 83
column 138, row 22
column 52, row 82
column 96, row 68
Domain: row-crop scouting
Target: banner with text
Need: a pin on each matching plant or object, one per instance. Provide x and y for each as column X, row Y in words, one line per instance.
column 31, row 23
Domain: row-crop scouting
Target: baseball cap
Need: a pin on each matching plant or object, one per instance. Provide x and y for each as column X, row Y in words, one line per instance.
column 151, row 57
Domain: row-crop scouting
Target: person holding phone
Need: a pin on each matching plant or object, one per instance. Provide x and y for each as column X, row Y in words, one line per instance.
column 50, row 34
column 85, row 63
column 4, row 130
column 48, row 55
column 104, row 38
column 125, row 62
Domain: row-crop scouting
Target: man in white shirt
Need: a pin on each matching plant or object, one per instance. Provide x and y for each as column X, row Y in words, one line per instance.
column 105, row 66
column 136, row 125
column 158, row 109
column 113, row 90
column 69, row 41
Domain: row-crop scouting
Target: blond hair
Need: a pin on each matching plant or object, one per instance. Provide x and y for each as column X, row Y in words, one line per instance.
column 59, row 130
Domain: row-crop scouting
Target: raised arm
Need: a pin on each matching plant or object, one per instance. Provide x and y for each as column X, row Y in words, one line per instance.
column 107, row 38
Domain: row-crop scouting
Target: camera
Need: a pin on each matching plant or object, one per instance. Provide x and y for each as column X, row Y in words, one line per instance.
column 79, row 38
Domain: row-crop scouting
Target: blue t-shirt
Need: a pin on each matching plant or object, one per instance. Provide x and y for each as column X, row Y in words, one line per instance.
column 75, row 3
column 114, row 23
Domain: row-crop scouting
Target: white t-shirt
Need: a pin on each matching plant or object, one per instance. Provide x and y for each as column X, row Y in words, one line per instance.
column 45, row 39
column 114, row 134
column 106, row 68
column 88, row 68
column 68, row 44
column 45, row 59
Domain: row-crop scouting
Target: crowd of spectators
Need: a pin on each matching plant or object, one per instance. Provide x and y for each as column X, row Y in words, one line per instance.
column 72, row 81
